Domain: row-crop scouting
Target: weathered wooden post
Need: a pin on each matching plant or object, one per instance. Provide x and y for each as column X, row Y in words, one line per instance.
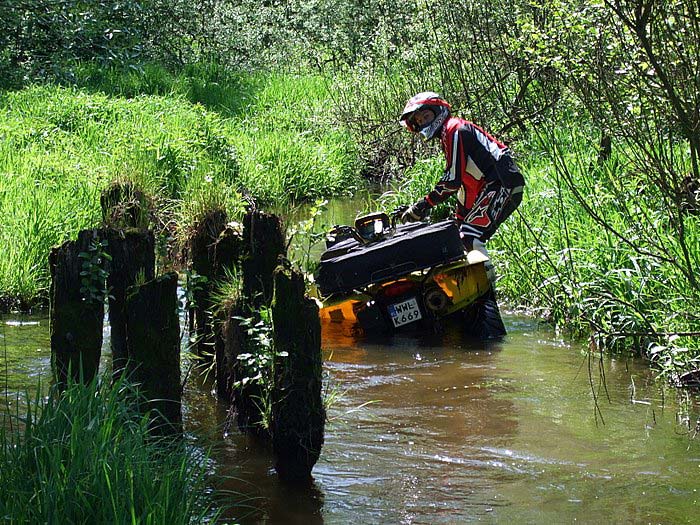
column 77, row 307
column 228, row 252
column 133, row 259
column 262, row 244
column 298, row 414
column 263, row 234
column 153, row 347
column 201, row 247
column 245, row 396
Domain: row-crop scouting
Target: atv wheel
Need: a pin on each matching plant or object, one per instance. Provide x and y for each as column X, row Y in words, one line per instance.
column 483, row 319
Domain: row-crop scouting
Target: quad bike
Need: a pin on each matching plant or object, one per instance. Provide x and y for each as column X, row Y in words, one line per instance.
column 386, row 277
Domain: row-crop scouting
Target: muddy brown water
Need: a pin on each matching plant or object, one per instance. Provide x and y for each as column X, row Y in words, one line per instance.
column 438, row 429
column 441, row 429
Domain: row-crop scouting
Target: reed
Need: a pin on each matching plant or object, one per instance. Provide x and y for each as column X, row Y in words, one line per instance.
column 86, row 456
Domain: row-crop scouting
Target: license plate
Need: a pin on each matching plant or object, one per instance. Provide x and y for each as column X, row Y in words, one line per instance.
column 404, row 312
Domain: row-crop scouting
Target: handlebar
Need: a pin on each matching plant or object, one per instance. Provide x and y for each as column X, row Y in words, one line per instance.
column 396, row 214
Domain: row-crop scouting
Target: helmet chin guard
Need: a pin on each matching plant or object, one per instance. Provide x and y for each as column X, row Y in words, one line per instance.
column 426, row 100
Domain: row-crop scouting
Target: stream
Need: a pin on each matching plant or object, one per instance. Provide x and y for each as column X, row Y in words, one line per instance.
column 439, row 429
column 436, row 428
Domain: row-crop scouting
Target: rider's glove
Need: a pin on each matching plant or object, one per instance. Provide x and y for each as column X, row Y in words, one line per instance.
column 416, row 211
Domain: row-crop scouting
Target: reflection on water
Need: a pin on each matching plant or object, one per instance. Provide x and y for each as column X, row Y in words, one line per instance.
column 439, row 429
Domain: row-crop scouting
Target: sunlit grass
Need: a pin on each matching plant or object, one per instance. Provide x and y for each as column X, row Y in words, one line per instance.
column 86, row 456
column 191, row 140
column 555, row 260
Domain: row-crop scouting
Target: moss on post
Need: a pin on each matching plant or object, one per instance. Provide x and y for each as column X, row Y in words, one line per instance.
column 133, row 259
column 298, row 414
column 153, row 345
column 76, row 308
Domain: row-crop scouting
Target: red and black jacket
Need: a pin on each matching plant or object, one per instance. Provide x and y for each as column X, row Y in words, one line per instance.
column 474, row 159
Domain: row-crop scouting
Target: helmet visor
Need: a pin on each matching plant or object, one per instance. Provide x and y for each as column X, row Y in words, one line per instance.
column 419, row 120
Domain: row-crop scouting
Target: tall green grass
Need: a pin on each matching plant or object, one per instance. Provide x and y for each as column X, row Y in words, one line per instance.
column 290, row 145
column 61, row 146
column 628, row 292
column 86, row 456
column 614, row 272
column 191, row 140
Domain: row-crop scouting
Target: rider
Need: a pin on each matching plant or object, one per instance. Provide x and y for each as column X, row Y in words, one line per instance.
column 480, row 170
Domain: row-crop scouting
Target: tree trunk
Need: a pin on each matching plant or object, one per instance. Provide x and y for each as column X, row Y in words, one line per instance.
column 153, row 345
column 76, row 320
column 298, row 414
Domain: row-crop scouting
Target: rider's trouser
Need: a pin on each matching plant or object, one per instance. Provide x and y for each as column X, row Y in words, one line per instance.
column 492, row 206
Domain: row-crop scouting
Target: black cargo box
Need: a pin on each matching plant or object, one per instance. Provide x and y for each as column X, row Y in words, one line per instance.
column 349, row 265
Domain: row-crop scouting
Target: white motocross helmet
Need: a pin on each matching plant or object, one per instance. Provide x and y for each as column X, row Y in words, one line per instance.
column 426, row 100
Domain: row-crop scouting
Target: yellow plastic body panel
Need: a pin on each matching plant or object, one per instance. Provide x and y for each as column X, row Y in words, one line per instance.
column 463, row 282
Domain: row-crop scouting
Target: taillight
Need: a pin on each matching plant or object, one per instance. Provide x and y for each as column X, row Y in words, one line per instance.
column 398, row 288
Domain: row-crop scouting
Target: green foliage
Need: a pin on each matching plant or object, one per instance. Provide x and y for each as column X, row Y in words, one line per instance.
column 226, row 291
column 418, row 180
column 257, row 360
column 290, row 146
column 558, row 80
column 305, row 234
column 599, row 254
column 41, row 38
column 88, row 452
column 194, row 283
column 93, row 274
column 61, row 147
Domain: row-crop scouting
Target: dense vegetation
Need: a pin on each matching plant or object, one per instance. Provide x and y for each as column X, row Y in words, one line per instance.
column 599, row 99
column 220, row 104
column 265, row 139
column 87, row 456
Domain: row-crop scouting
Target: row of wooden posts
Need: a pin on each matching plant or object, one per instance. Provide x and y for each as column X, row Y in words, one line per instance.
column 120, row 263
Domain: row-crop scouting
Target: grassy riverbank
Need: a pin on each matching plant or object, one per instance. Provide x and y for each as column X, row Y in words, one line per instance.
column 86, row 456
column 186, row 140
column 593, row 251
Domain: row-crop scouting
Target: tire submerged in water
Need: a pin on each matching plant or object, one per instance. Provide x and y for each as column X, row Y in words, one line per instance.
column 482, row 320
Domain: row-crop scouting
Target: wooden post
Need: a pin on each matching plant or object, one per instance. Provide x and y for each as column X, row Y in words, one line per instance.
column 153, row 345
column 76, row 315
column 133, row 259
column 201, row 247
column 228, row 252
column 298, row 414
column 263, row 233
column 245, row 398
